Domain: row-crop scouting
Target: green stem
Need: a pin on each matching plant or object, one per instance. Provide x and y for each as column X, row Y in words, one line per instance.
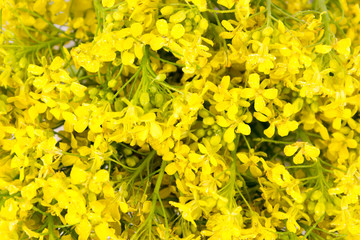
column 51, row 25
column 51, row 228
column 155, row 198
column 321, row 5
column 247, row 142
column 286, row 13
column 268, row 9
column 123, row 86
column 308, row 232
column 271, row 141
column 141, row 167
column 166, row 61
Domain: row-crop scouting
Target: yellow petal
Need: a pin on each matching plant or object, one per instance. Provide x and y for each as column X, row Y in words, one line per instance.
column 254, row 80
column 103, row 232
column 78, row 89
column 81, row 125
column 127, row 58
column 351, row 143
column 171, row 168
column 177, row 31
column 299, row 158
column 343, row 47
column 157, row 43
column 227, row 25
column 225, row 82
column 69, row 117
column 255, row 171
column 221, row 121
column 243, row 157
column 270, row 131
column 290, row 150
column 124, row 207
column 288, row 110
column 323, row 49
column 311, row 151
column 78, row 175
column 248, row 93
column 283, row 130
column 57, row 63
column 259, row 103
column 178, row 17
column 83, row 229
column 35, row 70
column 162, row 27
column 261, row 117
column 243, row 128
column 195, row 158
column 229, row 135
column 270, row 93
column 337, row 123
column 226, row 3
column 136, row 29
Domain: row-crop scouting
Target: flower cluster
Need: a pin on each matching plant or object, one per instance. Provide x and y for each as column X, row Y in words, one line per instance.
column 179, row 119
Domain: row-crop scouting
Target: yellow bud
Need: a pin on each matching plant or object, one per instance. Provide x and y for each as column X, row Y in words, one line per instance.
column 255, row 171
column 316, row 195
column 267, row 31
column 319, row 209
column 227, row 25
column 155, row 130
column 167, row 10
column 108, row 3
column 178, row 17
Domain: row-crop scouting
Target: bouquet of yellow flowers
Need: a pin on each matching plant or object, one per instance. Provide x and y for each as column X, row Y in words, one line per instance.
column 179, row 119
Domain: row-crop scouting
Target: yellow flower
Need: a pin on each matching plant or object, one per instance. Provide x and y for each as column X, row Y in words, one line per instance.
column 258, row 92
column 310, row 152
column 251, row 162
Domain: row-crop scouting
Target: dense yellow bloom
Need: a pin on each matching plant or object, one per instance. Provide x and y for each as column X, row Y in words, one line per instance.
column 169, row 119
